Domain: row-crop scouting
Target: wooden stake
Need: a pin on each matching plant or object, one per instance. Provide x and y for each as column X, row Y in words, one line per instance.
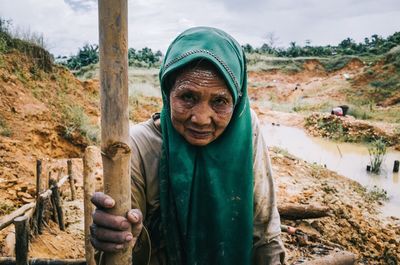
column 38, row 176
column 71, row 179
column 113, row 30
column 396, row 166
column 21, row 240
column 57, row 203
column 89, row 166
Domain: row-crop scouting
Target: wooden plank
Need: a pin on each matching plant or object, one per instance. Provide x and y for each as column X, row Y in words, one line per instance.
column 113, row 30
column 8, row 219
column 89, row 181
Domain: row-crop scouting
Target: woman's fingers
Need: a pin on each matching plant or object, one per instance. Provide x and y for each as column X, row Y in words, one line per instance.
column 111, row 236
column 135, row 217
column 114, row 222
column 106, row 246
column 101, row 200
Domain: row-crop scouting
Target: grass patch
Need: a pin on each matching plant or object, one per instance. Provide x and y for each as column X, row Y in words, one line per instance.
column 4, row 129
column 75, row 120
column 376, row 194
column 336, row 63
column 6, row 207
column 377, row 151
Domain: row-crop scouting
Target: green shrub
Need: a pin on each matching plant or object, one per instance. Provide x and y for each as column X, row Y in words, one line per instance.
column 4, row 130
column 76, row 120
column 377, row 152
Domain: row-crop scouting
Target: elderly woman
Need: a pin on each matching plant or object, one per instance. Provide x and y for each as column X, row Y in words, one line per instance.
column 202, row 189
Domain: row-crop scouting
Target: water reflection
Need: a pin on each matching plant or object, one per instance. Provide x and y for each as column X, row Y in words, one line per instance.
column 347, row 159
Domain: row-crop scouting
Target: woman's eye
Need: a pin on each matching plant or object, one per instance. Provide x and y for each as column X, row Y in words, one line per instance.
column 220, row 101
column 188, row 98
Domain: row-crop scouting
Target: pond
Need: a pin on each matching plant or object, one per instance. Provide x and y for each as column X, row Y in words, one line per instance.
column 347, row 159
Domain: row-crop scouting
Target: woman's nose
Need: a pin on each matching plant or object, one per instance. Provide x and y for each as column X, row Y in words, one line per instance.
column 201, row 115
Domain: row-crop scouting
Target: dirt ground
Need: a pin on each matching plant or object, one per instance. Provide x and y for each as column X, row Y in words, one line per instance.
column 31, row 108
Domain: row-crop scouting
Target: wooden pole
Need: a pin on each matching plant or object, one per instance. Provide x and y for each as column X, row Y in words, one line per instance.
column 89, row 166
column 38, row 175
column 55, row 196
column 71, row 179
column 113, row 31
column 21, row 240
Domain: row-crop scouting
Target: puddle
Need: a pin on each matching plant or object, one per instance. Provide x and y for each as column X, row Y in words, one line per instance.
column 347, row 159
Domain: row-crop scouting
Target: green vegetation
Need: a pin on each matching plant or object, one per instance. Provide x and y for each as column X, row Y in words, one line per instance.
column 377, row 194
column 30, row 44
column 88, row 55
column 6, row 207
column 377, row 152
column 75, row 120
column 4, row 129
column 375, row 45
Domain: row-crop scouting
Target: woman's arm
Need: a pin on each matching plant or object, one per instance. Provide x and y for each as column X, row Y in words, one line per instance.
column 267, row 245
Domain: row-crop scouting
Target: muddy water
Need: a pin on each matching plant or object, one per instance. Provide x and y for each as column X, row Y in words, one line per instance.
column 347, row 159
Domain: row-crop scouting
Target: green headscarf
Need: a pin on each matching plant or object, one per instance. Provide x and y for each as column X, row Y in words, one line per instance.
column 206, row 193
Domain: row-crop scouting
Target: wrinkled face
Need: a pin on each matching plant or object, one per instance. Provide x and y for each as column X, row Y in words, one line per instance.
column 201, row 104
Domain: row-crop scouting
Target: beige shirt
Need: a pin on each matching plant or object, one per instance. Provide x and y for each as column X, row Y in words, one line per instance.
column 146, row 141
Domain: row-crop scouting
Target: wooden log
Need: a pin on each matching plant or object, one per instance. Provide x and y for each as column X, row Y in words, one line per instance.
column 71, row 179
column 8, row 219
column 89, row 167
column 38, row 177
column 301, row 211
column 21, row 240
column 57, row 204
column 338, row 258
column 113, row 40
column 12, row 261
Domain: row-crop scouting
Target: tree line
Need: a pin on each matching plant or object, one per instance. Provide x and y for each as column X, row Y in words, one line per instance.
column 89, row 54
column 375, row 45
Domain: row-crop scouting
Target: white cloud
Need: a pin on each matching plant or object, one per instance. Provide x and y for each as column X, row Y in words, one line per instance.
column 69, row 24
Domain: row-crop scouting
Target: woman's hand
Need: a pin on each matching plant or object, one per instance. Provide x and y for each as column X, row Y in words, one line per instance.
column 110, row 232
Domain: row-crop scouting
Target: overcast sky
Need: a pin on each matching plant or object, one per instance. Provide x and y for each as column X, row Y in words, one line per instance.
column 69, row 24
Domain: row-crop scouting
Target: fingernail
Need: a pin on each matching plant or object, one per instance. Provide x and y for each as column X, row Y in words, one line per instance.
column 108, row 202
column 135, row 217
column 119, row 246
column 128, row 238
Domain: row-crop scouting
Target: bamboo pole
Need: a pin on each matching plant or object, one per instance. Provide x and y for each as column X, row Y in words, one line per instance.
column 21, row 240
column 89, row 166
column 113, row 31
column 71, row 179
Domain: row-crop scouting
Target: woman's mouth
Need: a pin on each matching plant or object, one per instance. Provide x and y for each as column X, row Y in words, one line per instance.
column 199, row 134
